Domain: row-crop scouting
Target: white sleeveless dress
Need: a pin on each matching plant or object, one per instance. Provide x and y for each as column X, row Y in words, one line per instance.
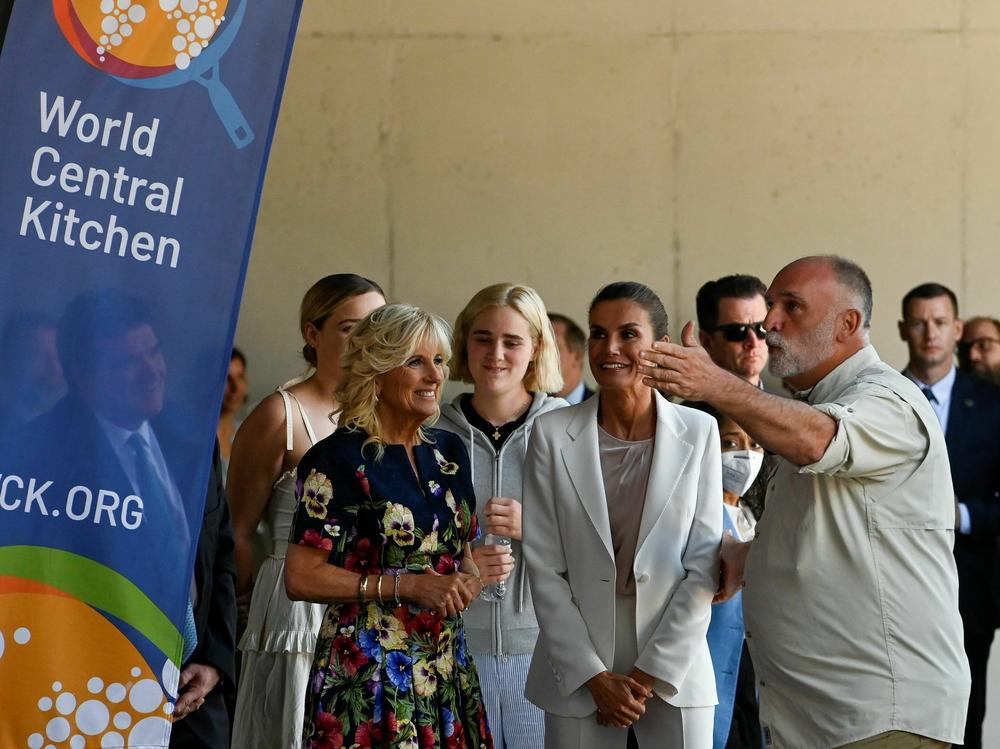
column 280, row 637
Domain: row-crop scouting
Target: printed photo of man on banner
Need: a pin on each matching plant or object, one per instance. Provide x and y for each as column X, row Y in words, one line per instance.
column 133, row 140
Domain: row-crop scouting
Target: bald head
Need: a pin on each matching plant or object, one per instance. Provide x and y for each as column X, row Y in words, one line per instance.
column 855, row 287
column 820, row 308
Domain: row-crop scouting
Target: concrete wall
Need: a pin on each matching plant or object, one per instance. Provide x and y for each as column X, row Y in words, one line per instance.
column 443, row 145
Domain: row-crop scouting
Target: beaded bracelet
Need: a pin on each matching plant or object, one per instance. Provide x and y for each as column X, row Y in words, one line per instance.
column 363, row 589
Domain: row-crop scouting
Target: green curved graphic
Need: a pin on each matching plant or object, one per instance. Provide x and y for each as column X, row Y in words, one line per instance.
column 96, row 585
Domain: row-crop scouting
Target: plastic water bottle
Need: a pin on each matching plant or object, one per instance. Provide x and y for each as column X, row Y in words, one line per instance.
column 495, row 591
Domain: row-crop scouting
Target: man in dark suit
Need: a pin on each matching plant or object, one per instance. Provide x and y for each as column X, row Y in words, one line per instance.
column 203, row 712
column 572, row 343
column 110, row 432
column 731, row 313
column 968, row 409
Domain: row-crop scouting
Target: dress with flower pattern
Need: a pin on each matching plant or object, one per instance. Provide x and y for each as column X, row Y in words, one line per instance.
column 387, row 675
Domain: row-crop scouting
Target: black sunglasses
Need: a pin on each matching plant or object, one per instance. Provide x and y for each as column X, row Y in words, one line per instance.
column 736, row 332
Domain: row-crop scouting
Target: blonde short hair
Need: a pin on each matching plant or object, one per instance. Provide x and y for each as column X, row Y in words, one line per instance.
column 379, row 343
column 543, row 375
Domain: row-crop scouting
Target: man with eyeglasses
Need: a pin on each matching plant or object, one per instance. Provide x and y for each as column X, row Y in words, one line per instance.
column 968, row 409
column 979, row 349
column 731, row 314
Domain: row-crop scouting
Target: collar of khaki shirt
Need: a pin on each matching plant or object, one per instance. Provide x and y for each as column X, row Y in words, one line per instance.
column 847, row 371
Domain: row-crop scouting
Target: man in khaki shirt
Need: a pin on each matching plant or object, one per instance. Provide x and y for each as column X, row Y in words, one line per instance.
column 851, row 599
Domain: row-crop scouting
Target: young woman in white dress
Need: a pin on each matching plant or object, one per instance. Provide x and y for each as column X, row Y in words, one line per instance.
column 280, row 635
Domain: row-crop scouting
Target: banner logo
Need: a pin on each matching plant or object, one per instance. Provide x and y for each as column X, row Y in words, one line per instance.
column 170, row 43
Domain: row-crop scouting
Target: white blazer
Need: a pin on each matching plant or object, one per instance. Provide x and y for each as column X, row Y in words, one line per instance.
column 571, row 566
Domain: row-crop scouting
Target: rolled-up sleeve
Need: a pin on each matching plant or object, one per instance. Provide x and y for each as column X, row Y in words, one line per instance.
column 877, row 432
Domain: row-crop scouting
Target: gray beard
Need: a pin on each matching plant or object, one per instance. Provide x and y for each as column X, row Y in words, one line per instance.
column 794, row 358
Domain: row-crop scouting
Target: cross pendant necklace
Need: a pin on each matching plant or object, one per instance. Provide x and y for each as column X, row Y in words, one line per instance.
column 496, row 433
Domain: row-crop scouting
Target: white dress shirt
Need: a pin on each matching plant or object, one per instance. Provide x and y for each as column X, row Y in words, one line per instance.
column 119, row 437
column 942, row 395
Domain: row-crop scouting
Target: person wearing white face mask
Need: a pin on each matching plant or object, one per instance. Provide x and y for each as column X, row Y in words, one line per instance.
column 742, row 461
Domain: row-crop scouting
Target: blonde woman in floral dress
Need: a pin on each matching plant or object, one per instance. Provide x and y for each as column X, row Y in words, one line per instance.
column 386, row 512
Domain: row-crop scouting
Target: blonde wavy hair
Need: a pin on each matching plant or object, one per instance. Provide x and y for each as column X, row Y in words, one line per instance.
column 543, row 375
column 379, row 343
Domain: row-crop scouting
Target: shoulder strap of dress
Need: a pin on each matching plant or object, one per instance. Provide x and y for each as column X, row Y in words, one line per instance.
column 305, row 420
column 289, row 427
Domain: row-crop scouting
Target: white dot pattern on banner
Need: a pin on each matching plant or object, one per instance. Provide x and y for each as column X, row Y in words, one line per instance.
column 146, row 701
column 57, row 729
column 92, row 717
column 66, row 703
column 145, row 696
column 170, row 676
column 115, row 693
column 22, row 635
column 151, row 731
column 196, row 24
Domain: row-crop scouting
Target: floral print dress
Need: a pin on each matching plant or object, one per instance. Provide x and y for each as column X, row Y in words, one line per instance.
column 386, row 675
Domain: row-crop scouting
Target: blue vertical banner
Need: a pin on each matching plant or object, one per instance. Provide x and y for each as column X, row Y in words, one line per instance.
column 133, row 140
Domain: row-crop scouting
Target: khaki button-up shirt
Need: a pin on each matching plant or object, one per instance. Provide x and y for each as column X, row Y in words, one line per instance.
column 851, row 599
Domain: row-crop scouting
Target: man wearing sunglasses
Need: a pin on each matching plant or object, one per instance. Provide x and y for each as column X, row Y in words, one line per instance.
column 731, row 314
column 979, row 349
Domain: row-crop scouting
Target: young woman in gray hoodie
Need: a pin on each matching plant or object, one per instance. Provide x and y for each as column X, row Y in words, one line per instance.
column 504, row 346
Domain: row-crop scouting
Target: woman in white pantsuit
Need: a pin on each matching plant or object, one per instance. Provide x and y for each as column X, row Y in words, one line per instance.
column 622, row 524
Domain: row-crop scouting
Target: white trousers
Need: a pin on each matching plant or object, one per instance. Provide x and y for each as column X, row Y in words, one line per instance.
column 662, row 726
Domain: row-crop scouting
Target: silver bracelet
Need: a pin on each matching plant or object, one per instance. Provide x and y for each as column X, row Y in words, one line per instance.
column 395, row 589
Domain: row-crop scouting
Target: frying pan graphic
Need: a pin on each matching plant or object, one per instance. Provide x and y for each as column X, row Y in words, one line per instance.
column 204, row 70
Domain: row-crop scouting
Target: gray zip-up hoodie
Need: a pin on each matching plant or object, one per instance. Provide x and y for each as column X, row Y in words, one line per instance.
column 507, row 626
